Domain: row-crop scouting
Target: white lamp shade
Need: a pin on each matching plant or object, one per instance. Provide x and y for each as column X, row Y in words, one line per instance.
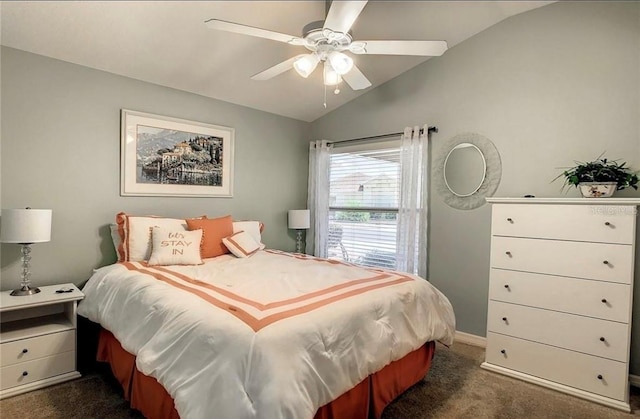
column 340, row 62
column 25, row 225
column 330, row 76
column 299, row 219
column 306, row 64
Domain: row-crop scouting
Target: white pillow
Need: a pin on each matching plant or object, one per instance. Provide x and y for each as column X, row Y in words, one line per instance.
column 254, row 228
column 241, row 244
column 175, row 247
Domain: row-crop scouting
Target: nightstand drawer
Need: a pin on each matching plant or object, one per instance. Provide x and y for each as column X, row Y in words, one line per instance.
column 597, row 223
column 603, row 338
column 604, row 262
column 590, row 373
column 37, row 347
column 569, row 295
column 39, row 369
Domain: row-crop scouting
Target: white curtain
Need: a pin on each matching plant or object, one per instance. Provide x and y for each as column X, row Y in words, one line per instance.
column 318, row 195
column 412, row 209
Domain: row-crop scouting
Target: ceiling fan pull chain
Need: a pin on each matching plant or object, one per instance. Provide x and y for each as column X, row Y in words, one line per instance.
column 325, row 96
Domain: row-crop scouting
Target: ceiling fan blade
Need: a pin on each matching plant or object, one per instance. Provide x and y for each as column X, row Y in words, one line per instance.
column 342, row 14
column 355, row 79
column 426, row 48
column 222, row 25
column 276, row 69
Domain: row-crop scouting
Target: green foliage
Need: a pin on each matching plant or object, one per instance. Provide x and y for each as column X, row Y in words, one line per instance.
column 384, row 216
column 600, row 170
column 357, row 216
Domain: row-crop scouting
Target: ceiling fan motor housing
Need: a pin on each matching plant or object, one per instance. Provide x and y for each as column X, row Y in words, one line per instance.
column 324, row 40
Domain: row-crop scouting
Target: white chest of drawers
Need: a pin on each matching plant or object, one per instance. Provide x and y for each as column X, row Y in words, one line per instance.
column 560, row 294
column 38, row 339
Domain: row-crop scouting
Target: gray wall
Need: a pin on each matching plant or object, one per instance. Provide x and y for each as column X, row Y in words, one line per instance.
column 550, row 86
column 61, row 150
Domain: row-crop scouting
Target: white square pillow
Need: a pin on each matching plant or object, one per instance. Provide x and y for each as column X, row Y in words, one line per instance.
column 241, row 244
column 175, row 247
column 254, row 228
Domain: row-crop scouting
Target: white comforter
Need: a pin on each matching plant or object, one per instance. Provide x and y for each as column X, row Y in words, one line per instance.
column 271, row 336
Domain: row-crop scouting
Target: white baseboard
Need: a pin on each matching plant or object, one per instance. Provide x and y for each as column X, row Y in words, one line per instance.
column 470, row 339
column 634, row 380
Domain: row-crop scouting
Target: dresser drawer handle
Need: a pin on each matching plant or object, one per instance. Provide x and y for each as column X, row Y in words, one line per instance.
column 25, row 373
column 602, row 339
column 604, row 300
column 510, row 220
column 600, row 377
column 508, row 253
column 607, row 223
column 506, row 286
column 606, row 262
column 504, row 319
column 503, row 351
column 25, row 350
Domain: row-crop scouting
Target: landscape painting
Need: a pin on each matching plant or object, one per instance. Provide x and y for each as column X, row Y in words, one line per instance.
column 163, row 156
column 186, row 158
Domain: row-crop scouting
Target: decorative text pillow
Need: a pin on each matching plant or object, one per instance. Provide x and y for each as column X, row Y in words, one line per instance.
column 241, row 244
column 215, row 229
column 175, row 247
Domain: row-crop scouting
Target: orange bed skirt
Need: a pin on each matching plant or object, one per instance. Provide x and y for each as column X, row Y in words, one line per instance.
column 365, row 400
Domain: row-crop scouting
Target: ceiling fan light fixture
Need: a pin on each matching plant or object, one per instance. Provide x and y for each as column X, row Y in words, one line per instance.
column 306, row 64
column 340, row 62
column 331, row 77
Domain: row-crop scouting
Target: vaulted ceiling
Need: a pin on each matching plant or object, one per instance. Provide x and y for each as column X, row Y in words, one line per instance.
column 167, row 42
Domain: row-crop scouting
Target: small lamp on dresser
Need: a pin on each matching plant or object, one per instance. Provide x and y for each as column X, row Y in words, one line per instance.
column 299, row 220
column 25, row 227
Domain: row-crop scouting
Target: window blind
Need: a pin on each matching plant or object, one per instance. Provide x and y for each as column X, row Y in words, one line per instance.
column 364, row 192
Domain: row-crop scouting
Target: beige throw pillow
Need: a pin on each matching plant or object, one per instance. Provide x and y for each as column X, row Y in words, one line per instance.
column 172, row 246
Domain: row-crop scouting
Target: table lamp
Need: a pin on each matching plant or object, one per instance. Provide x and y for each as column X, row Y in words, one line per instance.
column 25, row 227
column 299, row 220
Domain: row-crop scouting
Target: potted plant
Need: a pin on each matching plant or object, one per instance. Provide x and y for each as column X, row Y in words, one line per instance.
column 600, row 178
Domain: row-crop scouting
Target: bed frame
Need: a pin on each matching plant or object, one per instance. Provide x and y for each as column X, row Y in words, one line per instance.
column 365, row 401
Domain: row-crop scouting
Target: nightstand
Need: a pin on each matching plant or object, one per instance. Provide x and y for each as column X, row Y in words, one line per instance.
column 38, row 339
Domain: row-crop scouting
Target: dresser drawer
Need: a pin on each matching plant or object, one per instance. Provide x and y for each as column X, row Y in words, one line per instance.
column 559, row 365
column 37, row 347
column 569, row 295
column 577, row 333
column 606, row 262
column 598, row 223
column 38, row 369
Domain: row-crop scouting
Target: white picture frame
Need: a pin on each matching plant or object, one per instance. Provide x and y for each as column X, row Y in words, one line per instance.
column 165, row 156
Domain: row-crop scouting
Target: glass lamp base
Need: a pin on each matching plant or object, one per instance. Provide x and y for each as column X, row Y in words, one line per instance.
column 25, row 290
column 300, row 243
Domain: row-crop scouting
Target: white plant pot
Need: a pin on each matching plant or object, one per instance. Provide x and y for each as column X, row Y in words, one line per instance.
column 597, row 189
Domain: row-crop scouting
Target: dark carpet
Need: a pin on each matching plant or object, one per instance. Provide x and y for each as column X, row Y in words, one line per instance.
column 455, row 387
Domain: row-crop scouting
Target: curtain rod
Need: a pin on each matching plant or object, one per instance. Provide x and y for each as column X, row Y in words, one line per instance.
column 375, row 137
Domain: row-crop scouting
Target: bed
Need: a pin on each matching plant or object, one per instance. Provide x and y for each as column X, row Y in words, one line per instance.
column 274, row 335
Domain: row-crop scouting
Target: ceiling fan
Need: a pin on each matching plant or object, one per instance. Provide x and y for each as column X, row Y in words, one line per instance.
column 328, row 41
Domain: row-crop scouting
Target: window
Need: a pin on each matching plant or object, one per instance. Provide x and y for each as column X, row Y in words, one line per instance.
column 364, row 191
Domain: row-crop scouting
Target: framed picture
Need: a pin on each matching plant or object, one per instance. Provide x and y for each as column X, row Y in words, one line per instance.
column 163, row 156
